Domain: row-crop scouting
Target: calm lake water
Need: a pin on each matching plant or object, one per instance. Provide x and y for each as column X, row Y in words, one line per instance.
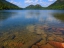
column 26, row 28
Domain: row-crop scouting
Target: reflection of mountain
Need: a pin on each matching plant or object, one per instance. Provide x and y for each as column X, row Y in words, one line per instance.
column 59, row 16
column 7, row 5
column 5, row 15
column 59, row 4
column 34, row 7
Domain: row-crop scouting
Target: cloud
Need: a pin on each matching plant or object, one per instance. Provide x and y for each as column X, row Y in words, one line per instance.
column 25, row 3
column 31, row 1
column 46, row 3
column 28, row 1
column 16, row 3
column 50, row 0
column 41, row 2
column 36, row 1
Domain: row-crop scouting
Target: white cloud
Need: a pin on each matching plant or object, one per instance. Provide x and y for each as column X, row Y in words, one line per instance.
column 28, row 1
column 16, row 3
column 31, row 1
column 34, row 2
column 50, row 0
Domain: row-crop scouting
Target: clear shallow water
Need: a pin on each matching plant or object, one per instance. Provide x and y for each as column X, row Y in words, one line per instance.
column 25, row 28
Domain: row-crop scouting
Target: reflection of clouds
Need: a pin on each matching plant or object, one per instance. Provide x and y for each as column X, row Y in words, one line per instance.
column 50, row 19
column 47, row 19
column 28, row 16
column 32, row 14
column 41, row 19
column 12, row 17
column 18, row 14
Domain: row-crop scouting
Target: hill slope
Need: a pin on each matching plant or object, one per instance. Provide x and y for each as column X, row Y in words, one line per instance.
column 7, row 5
column 59, row 4
column 34, row 7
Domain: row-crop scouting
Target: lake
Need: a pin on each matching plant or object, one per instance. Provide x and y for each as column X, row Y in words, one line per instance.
column 31, row 28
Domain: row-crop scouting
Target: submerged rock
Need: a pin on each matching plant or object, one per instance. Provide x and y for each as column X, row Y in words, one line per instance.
column 51, row 38
column 39, row 31
column 60, row 39
column 15, row 44
column 11, row 37
column 32, row 42
column 31, row 28
column 60, row 29
column 58, row 33
column 56, row 44
column 34, row 46
column 46, row 46
column 42, row 42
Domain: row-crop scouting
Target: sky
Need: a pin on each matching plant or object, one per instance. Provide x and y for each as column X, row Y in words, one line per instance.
column 25, row 3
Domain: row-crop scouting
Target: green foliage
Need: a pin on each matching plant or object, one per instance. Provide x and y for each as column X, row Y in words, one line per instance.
column 59, row 4
column 4, row 5
column 36, row 7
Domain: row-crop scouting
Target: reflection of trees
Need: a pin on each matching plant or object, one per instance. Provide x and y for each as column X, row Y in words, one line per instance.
column 59, row 16
column 5, row 15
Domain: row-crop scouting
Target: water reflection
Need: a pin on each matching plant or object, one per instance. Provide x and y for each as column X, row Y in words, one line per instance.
column 6, row 15
column 31, row 29
column 59, row 16
column 32, row 14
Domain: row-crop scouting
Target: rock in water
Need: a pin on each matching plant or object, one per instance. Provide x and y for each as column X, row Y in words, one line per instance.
column 56, row 44
column 63, row 45
column 34, row 46
column 15, row 44
column 32, row 42
column 46, row 46
column 59, row 39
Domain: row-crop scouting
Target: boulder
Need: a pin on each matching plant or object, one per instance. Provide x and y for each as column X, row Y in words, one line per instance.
column 34, row 46
column 56, row 44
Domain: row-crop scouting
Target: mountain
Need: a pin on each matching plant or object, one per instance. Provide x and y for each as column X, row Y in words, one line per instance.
column 36, row 7
column 59, row 4
column 5, row 5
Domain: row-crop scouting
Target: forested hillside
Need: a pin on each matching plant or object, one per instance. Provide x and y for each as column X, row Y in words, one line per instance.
column 5, row 5
column 59, row 4
column 36, row 7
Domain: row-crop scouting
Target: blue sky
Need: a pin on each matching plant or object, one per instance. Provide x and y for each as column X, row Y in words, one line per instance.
column 24, row 3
